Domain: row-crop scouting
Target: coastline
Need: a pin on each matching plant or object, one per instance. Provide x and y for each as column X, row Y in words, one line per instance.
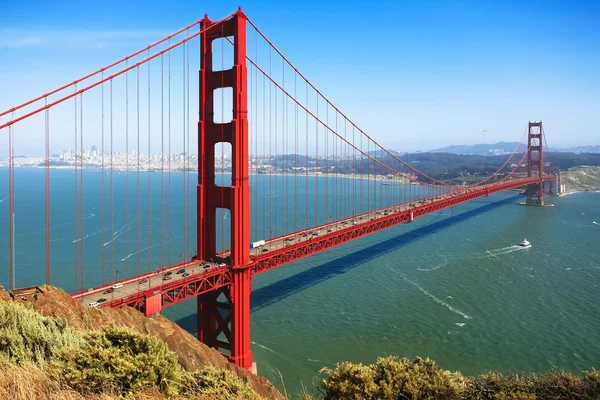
column 195, row 172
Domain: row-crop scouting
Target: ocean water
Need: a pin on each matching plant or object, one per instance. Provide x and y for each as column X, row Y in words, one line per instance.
column 452, row 286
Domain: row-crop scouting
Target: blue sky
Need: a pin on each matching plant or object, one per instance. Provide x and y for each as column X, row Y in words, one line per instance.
column 413, row 74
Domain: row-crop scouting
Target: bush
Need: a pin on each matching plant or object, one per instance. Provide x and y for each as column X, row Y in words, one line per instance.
column 393, row 378
column 218, row 384
column 350, row 381
column 121, row 358
column 28, row 337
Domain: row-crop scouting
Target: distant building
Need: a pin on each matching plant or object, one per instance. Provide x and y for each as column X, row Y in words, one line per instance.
column 94, row 150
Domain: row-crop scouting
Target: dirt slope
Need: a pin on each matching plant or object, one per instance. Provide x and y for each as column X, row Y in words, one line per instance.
column 192, row 354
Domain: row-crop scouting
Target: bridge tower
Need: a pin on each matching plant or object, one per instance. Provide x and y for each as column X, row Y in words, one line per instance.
column 535, row 163
column 224, row 316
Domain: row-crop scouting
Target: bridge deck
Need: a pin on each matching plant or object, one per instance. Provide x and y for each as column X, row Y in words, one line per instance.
column 205, row 276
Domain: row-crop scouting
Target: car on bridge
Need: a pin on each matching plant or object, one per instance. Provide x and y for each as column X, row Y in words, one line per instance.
column 94, row 304
column 186, row 274
column 117, row 286
column 101, row 300
column 167, row 278
column 108, row 291
column 143, row 281
column 181, row 271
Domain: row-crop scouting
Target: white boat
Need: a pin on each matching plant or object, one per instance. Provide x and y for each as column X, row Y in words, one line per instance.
column 525, row 243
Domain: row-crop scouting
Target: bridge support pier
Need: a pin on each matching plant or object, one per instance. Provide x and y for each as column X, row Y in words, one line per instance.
column 224, row 318
column 240, row 322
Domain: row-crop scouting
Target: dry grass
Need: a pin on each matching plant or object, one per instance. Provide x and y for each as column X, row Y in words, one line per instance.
column 32, row 382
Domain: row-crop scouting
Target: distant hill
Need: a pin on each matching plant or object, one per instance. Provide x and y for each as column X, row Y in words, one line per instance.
column 381, row 153
column 506, row 148
column 578, row 149
column 481, row 149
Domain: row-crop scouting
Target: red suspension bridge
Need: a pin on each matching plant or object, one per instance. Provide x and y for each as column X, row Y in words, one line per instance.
column 280, row 174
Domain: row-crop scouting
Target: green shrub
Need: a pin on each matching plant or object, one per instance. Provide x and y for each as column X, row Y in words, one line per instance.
column 27, row 336
column 558, row 385
column 349, row 381
column 496, row 386
column 121, row 358
column 393, row 378
column 218, row 384
column 419, row 379
column 591, row 384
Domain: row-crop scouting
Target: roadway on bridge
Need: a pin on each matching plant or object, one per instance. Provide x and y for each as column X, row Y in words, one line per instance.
column 195, row 270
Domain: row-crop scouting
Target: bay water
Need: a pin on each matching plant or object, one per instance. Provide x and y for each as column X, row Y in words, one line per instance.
column 453, row 286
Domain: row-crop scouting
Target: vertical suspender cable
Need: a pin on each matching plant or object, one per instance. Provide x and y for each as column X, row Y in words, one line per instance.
column 102, row 179
column 47, row 142
column 112, row 198
column 76, row 216
column 336, row 163
column 189, row 201
column 327, row 216
column 360, row 197
column 169, row 156
column 306, row 163
column 284, row 133
column 368, row 177
column 149, row 158
column 346, row 163
column 264, row 184
column 81, row 194
column 270, row 150
column 317, row 165
column 11, row 212
column 162, row 159
column 375, row 177
column 353, row 175
column 137, row 153
column 127, row 173
column 296, row 157
column 276, row 159
column 183, row 151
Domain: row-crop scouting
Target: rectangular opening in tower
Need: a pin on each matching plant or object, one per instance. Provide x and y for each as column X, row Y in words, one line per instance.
column 223, row 105
column 223, row 228
column 535, row 155
column 535, row 141
column 222, row 54
column 223, row 164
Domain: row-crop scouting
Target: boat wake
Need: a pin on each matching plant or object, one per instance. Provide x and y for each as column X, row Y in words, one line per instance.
column 434, row 267
column 504, row 250
column 595, row 223
column 274, row 352
column 87, row 236
column 434, row 298
column 119, row 232
column 147, row 248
